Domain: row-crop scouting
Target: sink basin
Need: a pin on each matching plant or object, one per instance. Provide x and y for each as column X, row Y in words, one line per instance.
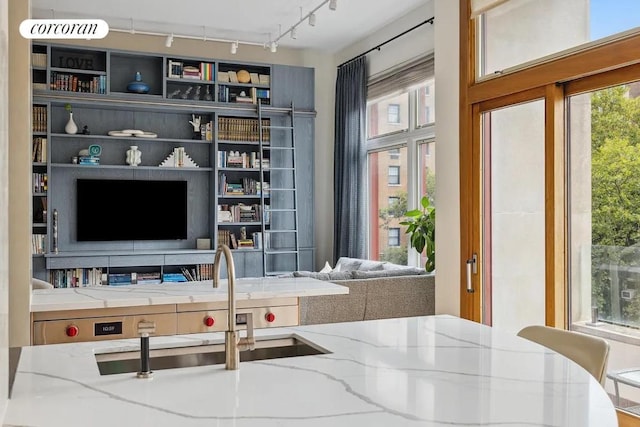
column 272, row 347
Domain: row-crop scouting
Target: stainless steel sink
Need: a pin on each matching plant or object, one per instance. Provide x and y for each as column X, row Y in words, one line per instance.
column 272, row 347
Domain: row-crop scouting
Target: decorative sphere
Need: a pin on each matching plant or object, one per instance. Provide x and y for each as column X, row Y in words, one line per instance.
column 243, row 76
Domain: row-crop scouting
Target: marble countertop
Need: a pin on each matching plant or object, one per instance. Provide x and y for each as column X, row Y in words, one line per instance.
column 421, row 371
column 176, row 293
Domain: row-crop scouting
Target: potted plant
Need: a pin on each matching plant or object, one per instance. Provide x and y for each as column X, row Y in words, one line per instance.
column 421, row 228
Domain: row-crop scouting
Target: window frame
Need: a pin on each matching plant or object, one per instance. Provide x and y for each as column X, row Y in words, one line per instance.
column 396, row 114
column 396, row 237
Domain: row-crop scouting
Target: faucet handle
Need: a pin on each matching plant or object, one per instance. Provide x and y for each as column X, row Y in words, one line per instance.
column 248, row 342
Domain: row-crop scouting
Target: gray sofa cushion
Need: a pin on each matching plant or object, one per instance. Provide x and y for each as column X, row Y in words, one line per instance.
column 352, row 264
column 409, row 271
column 334, row 275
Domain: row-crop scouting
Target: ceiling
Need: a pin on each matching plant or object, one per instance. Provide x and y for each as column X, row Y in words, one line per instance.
column 255, row 21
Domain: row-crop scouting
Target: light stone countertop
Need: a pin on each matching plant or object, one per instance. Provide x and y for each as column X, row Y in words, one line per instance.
column 421, row 371
column 176, row 293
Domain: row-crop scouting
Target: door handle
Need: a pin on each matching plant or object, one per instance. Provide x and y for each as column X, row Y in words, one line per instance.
column 472, row 268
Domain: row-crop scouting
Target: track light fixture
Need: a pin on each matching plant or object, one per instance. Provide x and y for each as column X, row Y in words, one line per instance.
column 311, row 17
column 234, row 47
column 169, row 41
column 273, row 47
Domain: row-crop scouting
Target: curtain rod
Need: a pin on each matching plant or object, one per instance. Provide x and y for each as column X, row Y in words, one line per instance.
column 428, row 21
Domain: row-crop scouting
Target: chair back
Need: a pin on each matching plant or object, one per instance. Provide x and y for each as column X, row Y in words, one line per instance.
column 592, row 353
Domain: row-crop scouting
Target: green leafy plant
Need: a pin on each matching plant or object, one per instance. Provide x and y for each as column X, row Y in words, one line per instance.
column 421, row 228
column 68, row 107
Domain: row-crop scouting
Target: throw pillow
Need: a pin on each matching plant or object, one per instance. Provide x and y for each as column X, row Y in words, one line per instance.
column 327, row 268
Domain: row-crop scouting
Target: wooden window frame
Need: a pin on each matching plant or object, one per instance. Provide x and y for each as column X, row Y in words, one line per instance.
column 603, row 65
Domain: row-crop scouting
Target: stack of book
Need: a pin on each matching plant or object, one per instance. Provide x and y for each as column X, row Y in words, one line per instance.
column 190, row 72
column 173, row 277
column 245, row 243
column 121, row 279
column 89, row 160
column 152, row 278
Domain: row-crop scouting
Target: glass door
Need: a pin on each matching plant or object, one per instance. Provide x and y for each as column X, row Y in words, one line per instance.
column 513, row 216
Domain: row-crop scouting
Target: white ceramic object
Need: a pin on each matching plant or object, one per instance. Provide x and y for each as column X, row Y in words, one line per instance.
column 134, row 156
column 71, row 127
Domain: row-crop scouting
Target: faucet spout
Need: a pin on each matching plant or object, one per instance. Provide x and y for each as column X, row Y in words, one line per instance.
column 232, row 341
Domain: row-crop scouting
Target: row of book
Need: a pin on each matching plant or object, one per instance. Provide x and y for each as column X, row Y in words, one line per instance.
column 39, row 59
column 233, row 94
column 39, row 118
column 243, row 129
column 73, row 83
column 180, row 70
column 39, row 150
column 89, row 160
column 38, row 244
column 240, row 213
column 254, row 78
column 235, row 159
column 77, row 277
column 246, row 187
column 39, row 181
column 134, row 278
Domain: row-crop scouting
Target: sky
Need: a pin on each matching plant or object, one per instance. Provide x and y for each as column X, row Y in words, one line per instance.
column 613, row 16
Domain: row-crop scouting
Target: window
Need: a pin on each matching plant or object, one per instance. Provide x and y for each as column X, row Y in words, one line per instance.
column 394, row 175
column 516, row 32
column 393, row 114
column 396, row 156
column 394, row 237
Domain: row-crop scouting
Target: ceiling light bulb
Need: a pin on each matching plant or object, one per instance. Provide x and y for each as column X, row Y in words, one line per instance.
column 234, row 47
column 333, row 4
column 273, row 47
column 312, row 19
column 169, row 41
column 293, row 33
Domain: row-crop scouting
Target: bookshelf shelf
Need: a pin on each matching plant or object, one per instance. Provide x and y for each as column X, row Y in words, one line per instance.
column 235, row 116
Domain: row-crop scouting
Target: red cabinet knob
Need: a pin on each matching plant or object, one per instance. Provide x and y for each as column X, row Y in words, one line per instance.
column 209, row 321
column 270, row 317
column 72, row 330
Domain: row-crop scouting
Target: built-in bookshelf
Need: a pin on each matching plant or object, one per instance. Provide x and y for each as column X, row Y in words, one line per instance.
column 200, row 120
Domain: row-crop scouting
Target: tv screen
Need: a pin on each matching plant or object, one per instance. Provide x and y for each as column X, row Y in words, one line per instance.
column 109, row 209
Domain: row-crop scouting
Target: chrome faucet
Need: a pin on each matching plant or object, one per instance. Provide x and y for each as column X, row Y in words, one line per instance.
column 232, row 341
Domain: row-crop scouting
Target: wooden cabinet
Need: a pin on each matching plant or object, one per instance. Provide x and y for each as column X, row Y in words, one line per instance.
column 96, row 85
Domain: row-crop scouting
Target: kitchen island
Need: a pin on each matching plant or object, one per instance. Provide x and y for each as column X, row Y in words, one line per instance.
column 113, row 312
column 420, row 371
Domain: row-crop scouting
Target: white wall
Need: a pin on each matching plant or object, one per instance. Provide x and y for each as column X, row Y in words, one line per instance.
column 4, row 211
column 448, row 260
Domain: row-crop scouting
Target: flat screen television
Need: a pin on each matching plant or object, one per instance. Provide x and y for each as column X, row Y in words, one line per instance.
column 118, row 209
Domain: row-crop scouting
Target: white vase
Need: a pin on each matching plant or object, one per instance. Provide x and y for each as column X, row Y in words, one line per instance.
column 71, row 126
column 134, row 156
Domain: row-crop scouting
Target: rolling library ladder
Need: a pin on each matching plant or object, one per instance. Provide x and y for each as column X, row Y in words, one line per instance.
column 279, row 238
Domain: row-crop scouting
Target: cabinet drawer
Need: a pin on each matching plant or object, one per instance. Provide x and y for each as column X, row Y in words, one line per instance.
column 77, row 262
column 100, row 328
column 193, row 322
column 135, row 260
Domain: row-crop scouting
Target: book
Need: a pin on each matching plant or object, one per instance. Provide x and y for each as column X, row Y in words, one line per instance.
column 255, row 78
column 233, row 77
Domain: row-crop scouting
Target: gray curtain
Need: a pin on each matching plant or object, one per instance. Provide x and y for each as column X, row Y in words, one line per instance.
column 350, row 160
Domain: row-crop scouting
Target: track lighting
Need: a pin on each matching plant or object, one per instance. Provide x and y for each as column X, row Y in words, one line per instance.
column 273, row 47
column 234, row 47
column 333, row 4
column 312, row 19
column 293, row 33
column 169, row 41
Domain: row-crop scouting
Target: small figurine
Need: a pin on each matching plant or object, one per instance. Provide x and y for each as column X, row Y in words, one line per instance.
column 85, row 130
column 196, row 97
column 174, row 94
column 195, row 122
column 186, row 93
column 207, row 94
